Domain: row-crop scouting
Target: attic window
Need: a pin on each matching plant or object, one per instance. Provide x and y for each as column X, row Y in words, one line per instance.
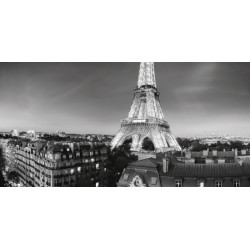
column 218, row 183
column 236, row 183
column 125, row 178
column 201, row 183
column 178, row 183
column 154, row 180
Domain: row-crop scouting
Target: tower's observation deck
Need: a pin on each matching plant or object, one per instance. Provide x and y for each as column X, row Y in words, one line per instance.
column 146, row 119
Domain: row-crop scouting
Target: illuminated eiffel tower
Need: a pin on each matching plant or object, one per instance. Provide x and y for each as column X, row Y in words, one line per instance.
column 146, row 119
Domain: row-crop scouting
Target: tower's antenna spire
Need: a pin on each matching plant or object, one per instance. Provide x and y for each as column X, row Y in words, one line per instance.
column 146, row 75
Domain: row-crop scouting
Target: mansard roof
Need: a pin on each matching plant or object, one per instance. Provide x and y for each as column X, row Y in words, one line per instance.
column 220, row 154
column 149, row 162
column 208, row 170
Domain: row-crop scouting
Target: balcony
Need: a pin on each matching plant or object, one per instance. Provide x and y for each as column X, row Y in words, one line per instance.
column 148, row 120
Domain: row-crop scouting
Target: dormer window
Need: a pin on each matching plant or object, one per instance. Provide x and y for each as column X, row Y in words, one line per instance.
column 236, row 183
column 178, row 183
column 154, row 180
column 218, row 183
column 201, row 183
column 125, row 177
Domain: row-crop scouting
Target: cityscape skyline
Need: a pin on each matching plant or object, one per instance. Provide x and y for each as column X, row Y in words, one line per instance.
column 197, row 98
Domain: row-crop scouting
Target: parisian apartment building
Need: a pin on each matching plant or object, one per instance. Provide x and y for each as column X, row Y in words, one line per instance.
column 56, row 164
column 208, row 168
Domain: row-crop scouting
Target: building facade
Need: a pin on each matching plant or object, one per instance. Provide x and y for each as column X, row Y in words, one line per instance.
column 46, row 164
column 168, row 171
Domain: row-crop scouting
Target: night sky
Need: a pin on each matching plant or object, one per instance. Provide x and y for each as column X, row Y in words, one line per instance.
column 196, row 98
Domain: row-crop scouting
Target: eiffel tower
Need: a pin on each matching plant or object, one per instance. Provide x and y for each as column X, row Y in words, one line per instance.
column 146, row 119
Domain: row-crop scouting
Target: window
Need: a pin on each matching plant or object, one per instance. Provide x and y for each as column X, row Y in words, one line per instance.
column 153, row 180
column 218, row 183
column 201, row 183
column 125, row 178
column 97, row 184
column 236, row 183
column 97, row 166
column 178, row 183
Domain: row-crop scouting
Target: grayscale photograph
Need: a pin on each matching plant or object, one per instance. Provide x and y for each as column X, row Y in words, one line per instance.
column 125, row 124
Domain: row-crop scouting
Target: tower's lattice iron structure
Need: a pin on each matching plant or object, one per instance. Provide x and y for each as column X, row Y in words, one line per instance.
column 146, row 119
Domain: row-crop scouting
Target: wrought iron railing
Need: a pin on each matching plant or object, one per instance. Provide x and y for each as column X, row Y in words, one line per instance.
column 148, row 120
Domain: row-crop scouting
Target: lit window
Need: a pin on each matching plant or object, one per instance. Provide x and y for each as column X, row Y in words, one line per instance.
column 125, row 178
column 97, row 166
column 178, row 183
column 236, row 183
column 200, row 183
column 218, row 183
column 79, row 169
column 72, row 171
column 153, row 180
column 97, row 184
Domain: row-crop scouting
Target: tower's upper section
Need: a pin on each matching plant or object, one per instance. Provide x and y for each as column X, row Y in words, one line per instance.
column 146, row 75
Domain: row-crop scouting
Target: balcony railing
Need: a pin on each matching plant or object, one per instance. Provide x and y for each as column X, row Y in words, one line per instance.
column 148, row 120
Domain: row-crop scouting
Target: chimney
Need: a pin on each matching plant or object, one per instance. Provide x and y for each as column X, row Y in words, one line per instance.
column 236, row 152
column 214, row 152
column 205, row 153
column 243, row 152
column 165, row 162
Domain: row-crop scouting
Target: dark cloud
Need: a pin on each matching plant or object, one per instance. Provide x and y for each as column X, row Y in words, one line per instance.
column 197, row 98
